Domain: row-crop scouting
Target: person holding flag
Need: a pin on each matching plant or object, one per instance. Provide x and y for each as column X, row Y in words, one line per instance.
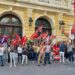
column 12, row 55
column 47, row 53
column 41, row 53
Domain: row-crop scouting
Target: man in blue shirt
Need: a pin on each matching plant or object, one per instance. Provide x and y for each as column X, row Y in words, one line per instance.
column 62, row 50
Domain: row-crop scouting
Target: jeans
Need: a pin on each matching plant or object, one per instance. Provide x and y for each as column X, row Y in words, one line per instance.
column 35, row 55
column 24, row 57
column 31, row 56
column 70, row 56
column 41, row 58
column 13, row 57
column 19, row 57
column 47, row 58
column 62, row 57
column 2, row 60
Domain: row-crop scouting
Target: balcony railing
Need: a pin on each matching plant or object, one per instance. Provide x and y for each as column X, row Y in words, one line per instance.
column 54, row 3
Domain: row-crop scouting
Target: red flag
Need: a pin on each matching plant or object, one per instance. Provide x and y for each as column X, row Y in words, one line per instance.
column 14, row 42
column 33, row 36
column 43, row 35
column 39, row 29
column 23, row 40
column 17, row 37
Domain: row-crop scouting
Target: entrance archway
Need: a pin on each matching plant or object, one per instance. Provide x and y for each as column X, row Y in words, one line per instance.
column 46, row 24
column 10, row 24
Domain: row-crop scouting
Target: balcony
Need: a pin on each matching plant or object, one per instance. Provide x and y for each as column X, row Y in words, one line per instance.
column 61, row 4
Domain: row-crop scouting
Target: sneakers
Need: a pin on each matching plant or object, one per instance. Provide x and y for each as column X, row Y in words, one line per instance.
column 38, row 64
column 14, row 65
column 2, row 65
column 11, row 66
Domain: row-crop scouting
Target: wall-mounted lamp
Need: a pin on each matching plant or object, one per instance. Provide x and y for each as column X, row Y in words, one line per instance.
column 30, row 21
column 61, row 23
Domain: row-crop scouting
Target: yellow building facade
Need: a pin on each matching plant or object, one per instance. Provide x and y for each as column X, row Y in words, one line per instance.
column 26, row 10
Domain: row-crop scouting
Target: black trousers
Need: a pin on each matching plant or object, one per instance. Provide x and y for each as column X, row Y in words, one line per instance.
column 8, row 57
column 70, row 56
column 2, row 60
column 19, row 57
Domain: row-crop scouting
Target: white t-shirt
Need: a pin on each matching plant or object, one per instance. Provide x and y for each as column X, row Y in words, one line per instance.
column 47, row 48
column 1, row 51
column 19, row 49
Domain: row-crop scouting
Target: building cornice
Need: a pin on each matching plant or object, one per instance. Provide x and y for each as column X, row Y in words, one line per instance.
column 37, row 6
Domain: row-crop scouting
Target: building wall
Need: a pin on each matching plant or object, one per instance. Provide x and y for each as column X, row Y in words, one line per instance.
column 24, row 14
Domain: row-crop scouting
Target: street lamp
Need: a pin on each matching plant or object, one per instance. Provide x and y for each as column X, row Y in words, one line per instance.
column 61, row 23
column 30, row 21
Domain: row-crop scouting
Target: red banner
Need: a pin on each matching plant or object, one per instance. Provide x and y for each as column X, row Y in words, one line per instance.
column 33, row 36
column 14, row 42
column 23, row 40
column 17, row 37
column 43, row 36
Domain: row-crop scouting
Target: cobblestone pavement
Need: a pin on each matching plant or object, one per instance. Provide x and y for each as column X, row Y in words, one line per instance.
column 33, row 69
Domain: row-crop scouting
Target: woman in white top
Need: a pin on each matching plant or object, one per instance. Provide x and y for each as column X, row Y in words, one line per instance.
column 19, row 50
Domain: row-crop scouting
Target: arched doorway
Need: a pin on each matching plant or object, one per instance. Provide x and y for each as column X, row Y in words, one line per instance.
column 10, row 24
column 46, row 25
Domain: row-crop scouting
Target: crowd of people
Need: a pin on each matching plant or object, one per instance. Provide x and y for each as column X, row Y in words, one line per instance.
column 41, row 53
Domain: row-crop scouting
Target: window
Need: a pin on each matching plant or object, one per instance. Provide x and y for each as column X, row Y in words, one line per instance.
column 45, row 23
column 10, row 24
column 10, row 19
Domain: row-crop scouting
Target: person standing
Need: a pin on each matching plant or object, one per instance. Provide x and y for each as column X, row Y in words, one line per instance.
column 47, row 53
column 25, row 54
column 66, row 53
column 12, row 55
column 19, row 50
column 31, row 53
column 2, row 54
column 62, row 52
column 70, row 52
column 41, row 54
